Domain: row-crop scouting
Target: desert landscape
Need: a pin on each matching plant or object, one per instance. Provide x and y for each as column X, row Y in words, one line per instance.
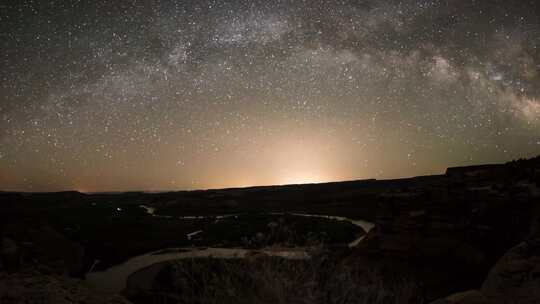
column 270, row 151
column 467, row 236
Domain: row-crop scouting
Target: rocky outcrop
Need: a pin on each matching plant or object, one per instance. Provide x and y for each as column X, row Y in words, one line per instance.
column 476, row 171
column 514, row 279
column 453, row 231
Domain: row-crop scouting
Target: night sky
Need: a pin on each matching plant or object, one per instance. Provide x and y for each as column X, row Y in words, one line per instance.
column 157, row 95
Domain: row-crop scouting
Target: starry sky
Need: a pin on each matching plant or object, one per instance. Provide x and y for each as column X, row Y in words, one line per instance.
column 158, row 95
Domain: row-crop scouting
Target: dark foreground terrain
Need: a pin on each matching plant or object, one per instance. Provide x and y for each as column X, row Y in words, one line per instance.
column 471, row 235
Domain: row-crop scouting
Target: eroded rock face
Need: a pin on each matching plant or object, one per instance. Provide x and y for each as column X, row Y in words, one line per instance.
column 516, row 277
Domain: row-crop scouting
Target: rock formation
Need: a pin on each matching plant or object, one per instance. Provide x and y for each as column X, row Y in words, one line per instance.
column 514, row 279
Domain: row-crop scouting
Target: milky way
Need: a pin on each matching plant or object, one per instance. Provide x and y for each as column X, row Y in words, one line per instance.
column 155, row 95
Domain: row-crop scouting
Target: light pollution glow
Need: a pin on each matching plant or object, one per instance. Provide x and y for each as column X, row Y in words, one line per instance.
column 167, row 95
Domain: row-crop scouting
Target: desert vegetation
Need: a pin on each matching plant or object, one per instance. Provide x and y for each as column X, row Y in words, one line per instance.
column 324, row 278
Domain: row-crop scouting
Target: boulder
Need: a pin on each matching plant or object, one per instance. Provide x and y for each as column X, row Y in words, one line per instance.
column 516, row 276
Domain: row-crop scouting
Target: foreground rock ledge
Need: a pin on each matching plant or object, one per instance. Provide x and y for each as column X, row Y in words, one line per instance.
column 514, row 279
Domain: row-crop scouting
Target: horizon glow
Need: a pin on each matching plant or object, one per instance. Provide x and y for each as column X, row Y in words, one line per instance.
column 170, row 95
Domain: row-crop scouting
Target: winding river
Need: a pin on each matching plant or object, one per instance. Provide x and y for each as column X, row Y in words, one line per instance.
column 114, row 278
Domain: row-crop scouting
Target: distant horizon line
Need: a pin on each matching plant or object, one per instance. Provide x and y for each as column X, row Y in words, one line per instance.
column 205, row 189
column 261, row 186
